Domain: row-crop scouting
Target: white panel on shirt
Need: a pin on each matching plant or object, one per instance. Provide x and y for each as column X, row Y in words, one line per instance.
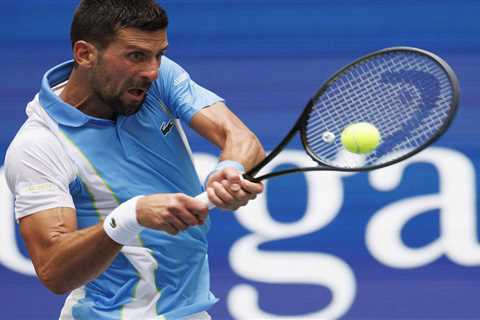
column 37, row 169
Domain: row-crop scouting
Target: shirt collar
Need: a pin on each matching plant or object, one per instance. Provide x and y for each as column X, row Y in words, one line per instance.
column 62, row 112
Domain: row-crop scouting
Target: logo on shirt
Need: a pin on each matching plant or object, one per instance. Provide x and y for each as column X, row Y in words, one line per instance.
column 43, row 187
column 166, row 127
column 180, row 79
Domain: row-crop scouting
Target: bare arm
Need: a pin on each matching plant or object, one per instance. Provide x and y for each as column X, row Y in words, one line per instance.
column 226, row 189
column 65, row 258
column 223, row 128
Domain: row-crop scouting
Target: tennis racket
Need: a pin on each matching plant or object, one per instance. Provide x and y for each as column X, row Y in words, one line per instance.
column 410, row 95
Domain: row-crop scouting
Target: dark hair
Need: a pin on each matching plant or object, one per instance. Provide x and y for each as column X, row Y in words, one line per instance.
column 98, row 21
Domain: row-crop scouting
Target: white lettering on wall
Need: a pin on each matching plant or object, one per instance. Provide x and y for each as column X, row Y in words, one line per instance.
column 455, row 201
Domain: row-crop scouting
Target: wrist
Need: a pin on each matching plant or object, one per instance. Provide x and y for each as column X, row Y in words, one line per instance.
column 229, row 164
column 121, row 225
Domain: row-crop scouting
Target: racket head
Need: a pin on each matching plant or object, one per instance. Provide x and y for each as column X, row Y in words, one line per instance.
column 417, row 91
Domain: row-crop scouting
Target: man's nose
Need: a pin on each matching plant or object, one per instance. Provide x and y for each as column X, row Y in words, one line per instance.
column 151, row 72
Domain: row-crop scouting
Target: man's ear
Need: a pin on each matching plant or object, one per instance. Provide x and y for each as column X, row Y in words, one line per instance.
column 85, row 54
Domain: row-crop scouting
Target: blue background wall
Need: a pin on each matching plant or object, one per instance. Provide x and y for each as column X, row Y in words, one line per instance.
column 266, row 58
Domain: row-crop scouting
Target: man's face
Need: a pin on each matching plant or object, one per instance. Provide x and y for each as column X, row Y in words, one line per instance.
column 127, row 67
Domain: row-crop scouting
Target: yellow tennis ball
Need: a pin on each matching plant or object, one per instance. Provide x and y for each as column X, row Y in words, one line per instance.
column 360, row 137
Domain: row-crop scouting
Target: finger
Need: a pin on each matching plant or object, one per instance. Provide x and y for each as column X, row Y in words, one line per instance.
column 239, row 195
column 200, row 215
column 212, row 196
column 252, row 187
column 188, row 217
column 194, row 212
column 168, row 228
column 233, row 177
column 175, row 222
column 222, row 193
column 241, row 198
column 234, row 187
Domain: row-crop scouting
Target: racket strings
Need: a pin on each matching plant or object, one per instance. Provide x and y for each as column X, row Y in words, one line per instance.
column 406, row 95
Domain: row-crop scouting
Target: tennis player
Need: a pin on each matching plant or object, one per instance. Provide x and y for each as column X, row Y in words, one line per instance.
column 103, row 177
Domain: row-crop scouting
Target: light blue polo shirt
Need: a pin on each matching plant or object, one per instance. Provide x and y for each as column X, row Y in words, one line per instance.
column 161, row 274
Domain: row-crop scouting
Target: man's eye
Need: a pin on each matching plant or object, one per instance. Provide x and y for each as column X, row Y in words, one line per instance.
column 136, row 56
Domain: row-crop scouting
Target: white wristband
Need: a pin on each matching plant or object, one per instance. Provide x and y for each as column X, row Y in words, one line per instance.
column 121, row 224
column 229, row 164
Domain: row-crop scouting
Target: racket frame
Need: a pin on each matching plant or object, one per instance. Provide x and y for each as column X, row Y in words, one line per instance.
column 300, row 124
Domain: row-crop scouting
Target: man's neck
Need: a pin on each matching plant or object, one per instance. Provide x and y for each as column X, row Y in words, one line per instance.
column 80, row 95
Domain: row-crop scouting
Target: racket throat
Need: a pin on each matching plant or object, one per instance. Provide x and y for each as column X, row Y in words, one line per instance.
column 297, row 127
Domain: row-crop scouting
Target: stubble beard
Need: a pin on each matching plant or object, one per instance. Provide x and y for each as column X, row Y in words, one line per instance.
column 108, row 96
column 117, row 105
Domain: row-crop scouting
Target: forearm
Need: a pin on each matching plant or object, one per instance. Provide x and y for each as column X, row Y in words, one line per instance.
column 77, row 257
column 244, row 147
column 235, row 140
column 224, row 186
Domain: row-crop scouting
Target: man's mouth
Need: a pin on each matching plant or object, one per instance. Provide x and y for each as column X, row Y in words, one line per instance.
column 139, row 93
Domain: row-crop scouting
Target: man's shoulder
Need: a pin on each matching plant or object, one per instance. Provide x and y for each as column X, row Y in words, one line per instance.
column 171, row 76
column 168, row 63
column 36, row 151
column 32, row 132
column 32, row 138
column 171, row 72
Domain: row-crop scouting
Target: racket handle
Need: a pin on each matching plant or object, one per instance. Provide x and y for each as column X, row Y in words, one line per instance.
column 204, row 198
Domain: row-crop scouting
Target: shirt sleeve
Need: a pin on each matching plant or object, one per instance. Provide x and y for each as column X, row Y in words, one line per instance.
column 183, row 96
column 38, row 172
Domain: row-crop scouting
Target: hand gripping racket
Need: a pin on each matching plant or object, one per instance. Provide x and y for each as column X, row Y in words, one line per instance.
column 410, row 95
